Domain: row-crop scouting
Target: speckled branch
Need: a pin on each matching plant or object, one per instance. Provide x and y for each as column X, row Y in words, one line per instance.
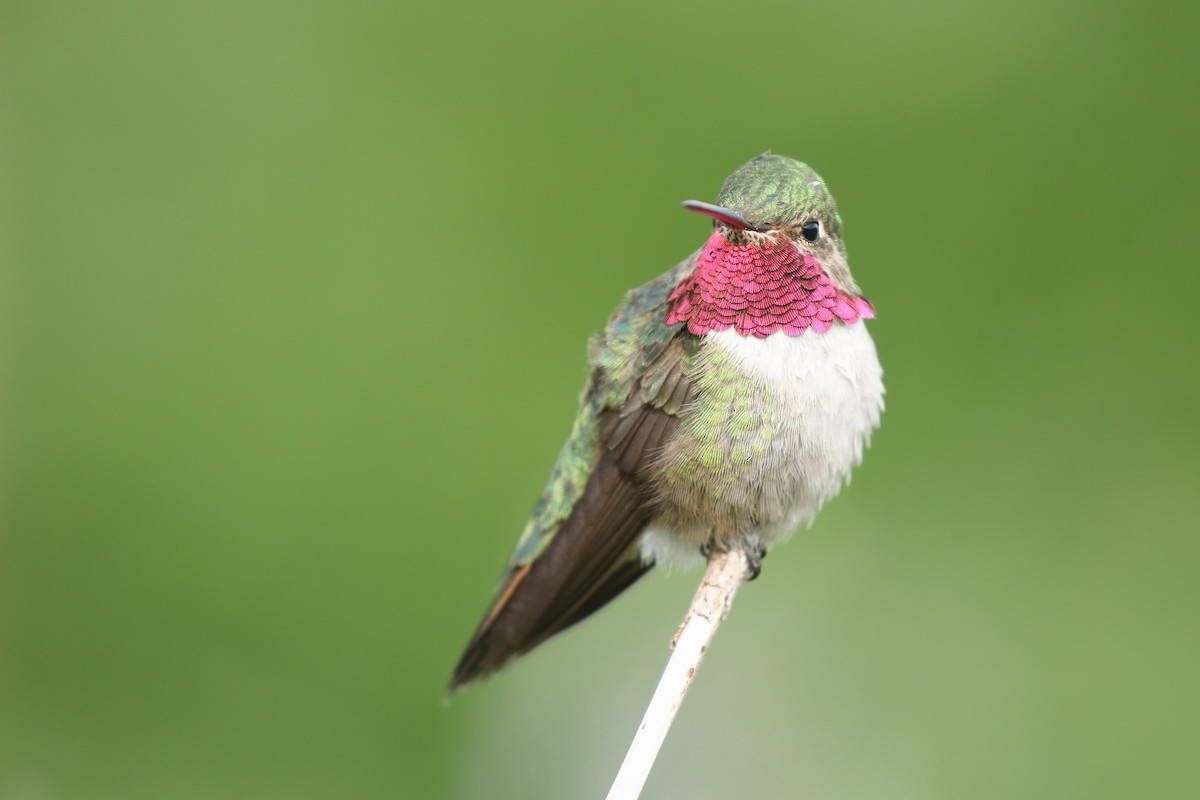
column 709, row 607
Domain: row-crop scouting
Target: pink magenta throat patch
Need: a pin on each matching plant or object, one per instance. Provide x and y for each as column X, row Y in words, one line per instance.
column 760, row 291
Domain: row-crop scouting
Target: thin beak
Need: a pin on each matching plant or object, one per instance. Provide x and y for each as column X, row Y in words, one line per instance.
column 726, row 215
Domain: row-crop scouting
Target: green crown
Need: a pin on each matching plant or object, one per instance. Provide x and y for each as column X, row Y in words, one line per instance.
column 776, row 190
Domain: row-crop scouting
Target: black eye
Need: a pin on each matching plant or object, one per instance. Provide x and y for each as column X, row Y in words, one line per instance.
column 811, row 230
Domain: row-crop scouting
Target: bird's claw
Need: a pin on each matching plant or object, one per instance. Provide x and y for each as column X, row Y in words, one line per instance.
column 754, row 556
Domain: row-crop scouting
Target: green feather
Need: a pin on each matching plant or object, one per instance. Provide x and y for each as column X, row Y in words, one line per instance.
column 631, row 342
column 776, row 190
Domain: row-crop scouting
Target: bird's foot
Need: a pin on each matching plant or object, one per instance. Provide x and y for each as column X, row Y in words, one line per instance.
column 755, row 553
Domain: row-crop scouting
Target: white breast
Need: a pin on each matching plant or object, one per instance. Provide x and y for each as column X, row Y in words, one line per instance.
column 830, row 386
column 835, row 374
column 826, row 392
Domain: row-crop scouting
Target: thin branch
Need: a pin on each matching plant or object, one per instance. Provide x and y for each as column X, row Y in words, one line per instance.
column 709, row 607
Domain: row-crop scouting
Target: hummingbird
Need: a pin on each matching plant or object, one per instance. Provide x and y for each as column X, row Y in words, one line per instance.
column 727, row 401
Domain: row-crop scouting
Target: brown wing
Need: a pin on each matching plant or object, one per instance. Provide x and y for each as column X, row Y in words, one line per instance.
column 594, row 555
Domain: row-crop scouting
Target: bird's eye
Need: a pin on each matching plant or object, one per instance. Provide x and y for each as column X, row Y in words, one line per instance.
column 811, row 230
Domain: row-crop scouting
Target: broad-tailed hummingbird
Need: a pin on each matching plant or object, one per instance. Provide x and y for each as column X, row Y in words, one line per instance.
column 728, row 399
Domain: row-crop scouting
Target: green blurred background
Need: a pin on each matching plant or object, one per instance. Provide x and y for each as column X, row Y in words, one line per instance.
column 295, row 298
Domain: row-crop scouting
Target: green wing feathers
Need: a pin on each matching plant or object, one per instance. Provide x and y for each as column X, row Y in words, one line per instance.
column 579, row 549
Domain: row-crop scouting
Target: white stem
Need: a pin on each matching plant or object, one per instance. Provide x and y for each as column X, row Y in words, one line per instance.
column 709, row 607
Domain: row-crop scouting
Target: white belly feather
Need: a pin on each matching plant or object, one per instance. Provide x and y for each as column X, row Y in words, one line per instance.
column 827, row 390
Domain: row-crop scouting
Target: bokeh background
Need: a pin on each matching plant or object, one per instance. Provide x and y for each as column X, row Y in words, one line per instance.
column 294, row 304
